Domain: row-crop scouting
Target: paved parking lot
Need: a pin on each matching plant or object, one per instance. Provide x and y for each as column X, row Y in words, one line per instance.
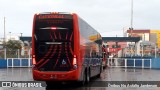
column 109, row 74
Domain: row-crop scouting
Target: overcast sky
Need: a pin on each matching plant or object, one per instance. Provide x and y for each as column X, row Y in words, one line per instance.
column 109, row 17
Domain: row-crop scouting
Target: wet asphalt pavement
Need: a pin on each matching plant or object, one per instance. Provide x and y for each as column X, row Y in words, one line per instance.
column 109, row 74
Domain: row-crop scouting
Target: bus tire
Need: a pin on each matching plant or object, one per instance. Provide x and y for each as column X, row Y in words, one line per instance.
column 83, row 80
column 87, row 72
column 86, row 77
column 101, row 69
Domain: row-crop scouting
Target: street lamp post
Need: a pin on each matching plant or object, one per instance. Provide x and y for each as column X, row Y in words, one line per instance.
column 142, row 50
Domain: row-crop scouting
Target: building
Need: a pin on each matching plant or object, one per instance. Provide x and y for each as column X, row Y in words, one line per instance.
column 146, row 35
column 117, row 45
column 155, row 37
column 149, row 43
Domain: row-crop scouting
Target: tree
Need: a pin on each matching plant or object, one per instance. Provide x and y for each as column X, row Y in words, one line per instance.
column 12, row 48
column 13, row 44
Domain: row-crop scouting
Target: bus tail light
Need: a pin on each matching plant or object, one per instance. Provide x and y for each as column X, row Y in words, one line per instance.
column 53, row 28
column 33, row 60
column 74, row 62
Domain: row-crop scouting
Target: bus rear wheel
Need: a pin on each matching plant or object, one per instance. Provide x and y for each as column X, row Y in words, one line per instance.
column 86, row 77
column 101, row 69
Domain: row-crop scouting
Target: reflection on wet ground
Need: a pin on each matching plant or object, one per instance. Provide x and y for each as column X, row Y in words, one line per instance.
column 109, row 74
column 124, row 74
column 16, row 74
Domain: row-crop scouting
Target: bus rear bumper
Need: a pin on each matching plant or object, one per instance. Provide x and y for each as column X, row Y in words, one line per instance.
column 56, row 76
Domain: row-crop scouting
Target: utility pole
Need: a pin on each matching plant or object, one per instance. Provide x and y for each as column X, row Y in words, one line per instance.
column 131, row 27
column 10, row 35
column 4, row 38
column 4, row 29
column 21, row 34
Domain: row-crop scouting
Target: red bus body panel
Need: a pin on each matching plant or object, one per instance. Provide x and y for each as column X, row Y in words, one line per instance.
column 79, row 52
column 73, row 75
column 56, row 76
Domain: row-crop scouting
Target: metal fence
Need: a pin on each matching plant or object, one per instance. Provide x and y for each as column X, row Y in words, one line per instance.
column 129, row 63
column 19, row 62
column 5, row 53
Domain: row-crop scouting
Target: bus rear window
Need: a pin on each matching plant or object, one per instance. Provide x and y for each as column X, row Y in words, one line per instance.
column 53, row 30
column 54, row 42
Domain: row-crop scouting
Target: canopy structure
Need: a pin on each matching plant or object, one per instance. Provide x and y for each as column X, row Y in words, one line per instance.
column 121, row 39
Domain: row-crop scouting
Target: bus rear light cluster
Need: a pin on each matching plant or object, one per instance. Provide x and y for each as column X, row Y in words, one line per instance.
column 33, row 60
column 54, row 28
column 74, row 62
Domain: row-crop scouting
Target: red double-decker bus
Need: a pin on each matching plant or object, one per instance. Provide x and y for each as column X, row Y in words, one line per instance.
column 65, row 48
